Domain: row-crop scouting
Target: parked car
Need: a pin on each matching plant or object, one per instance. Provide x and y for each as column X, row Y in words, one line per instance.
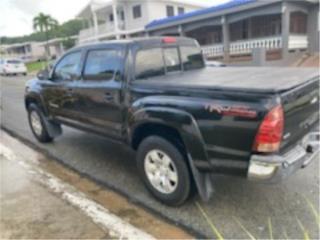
column 12, row 66
column 185, row 120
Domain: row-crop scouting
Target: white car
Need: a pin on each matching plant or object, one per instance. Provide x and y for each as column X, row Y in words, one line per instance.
column 12, row 66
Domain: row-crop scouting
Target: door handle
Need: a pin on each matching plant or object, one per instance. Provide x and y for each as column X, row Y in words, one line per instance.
column 70, row 91
column 108, row 97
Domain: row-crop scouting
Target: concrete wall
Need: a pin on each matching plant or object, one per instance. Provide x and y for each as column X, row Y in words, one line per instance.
column 314, row 28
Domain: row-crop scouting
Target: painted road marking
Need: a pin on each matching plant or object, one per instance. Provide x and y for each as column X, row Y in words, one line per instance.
column 114, row 225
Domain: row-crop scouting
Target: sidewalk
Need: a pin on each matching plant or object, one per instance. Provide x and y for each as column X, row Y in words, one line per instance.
column 39, row 198
column 29, row 211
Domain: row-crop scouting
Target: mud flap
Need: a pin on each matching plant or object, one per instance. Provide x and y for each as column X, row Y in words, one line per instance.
column 54, row 129
column 203, row 182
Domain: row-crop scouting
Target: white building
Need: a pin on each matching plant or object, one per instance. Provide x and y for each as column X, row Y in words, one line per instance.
column 27, row 51
column 117, row 19
column 34, row 51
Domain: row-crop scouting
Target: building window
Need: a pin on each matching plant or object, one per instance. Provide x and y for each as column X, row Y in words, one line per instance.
column 265, row 26
column 298, row 23
column 111, row 17
column 239, row 30
column 137, row 11
column 122, row 15
column 170, row 11
column 180, row 10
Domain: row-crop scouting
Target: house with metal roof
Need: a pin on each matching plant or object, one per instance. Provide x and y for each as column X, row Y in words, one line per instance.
column 235, row 29
column 118, row 19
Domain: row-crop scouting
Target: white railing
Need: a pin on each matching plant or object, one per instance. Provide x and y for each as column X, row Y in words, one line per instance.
column 298, row 42
column 85, row 33
column 106, row 28
column 215, row 50
column 246, row 46
column 242, row 47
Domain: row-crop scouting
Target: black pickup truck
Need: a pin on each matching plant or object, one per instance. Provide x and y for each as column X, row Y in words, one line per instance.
column 186, row 121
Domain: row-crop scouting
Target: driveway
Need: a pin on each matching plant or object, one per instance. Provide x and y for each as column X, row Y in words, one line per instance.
column 236, row 204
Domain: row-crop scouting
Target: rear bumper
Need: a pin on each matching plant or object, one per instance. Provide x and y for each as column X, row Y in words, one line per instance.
column 277, row 167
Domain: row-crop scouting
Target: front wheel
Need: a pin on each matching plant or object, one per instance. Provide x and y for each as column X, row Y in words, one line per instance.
column 36, row 122
column 164, row 170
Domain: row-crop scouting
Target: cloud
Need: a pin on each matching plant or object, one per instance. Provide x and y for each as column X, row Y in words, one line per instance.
column 16, row 15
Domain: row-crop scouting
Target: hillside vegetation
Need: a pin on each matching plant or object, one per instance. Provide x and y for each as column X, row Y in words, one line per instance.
column 64, row 30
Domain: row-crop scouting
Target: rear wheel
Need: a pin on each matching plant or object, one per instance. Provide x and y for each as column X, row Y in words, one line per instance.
column 164, row 170
column 36, row 123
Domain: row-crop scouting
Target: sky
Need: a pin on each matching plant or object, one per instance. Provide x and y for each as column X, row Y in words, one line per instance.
column 16, row 15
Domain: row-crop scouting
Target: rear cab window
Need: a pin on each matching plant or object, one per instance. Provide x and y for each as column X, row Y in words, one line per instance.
column 159, row 61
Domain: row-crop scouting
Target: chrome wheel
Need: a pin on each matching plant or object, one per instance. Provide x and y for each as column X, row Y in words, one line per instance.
column 36, row 123
column 161, row 171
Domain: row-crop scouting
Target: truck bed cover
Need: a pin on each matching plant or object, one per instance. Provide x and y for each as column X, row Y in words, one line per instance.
column 251, row 79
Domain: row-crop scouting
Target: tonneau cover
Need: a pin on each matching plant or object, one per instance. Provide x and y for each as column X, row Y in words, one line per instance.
column 255, row 79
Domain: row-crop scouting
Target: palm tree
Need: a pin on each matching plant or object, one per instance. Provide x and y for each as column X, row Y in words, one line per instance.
column 44, row 23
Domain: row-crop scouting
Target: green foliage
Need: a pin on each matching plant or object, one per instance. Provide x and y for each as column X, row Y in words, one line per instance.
column 44, row 23
column 68, row 43
column 304, row 231
column 214, row 229
column 66, row 29
column 36, row 66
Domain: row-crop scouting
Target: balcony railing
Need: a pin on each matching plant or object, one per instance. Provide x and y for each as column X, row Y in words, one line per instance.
column 246, row 46
column 243, row 46
column 215, row 50
column 298, row 41
column 106, row 28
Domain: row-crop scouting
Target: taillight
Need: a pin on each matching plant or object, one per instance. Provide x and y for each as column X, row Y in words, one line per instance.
column 269, row 136
column 167, row 40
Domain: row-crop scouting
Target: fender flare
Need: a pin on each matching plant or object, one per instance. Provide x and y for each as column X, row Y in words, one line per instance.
column 190, row 134
column 35, row 97
column 54, row 129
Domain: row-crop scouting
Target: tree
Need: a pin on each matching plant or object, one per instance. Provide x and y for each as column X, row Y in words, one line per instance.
column 68, row 43
column 44, row 23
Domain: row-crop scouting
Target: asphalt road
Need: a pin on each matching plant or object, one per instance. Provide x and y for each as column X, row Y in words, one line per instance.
column 235, row 200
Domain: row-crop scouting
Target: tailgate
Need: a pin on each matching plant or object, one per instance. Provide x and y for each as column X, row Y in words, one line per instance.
column 301, row 109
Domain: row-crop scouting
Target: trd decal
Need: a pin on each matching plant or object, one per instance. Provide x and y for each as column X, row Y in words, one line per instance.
column 236, row 111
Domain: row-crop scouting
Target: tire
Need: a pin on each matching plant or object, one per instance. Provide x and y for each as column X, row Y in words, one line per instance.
column 167, row 190
column 36, row 123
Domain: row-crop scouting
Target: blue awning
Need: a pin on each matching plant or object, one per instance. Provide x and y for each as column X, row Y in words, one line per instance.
column 215, row 9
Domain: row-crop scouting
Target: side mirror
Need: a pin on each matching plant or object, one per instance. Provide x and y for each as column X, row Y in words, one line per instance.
column 43, row 74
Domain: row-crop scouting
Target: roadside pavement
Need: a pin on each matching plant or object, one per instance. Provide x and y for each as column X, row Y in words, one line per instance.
column 42, row 199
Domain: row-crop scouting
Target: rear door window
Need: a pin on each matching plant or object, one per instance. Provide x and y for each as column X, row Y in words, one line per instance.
column 103, row 64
